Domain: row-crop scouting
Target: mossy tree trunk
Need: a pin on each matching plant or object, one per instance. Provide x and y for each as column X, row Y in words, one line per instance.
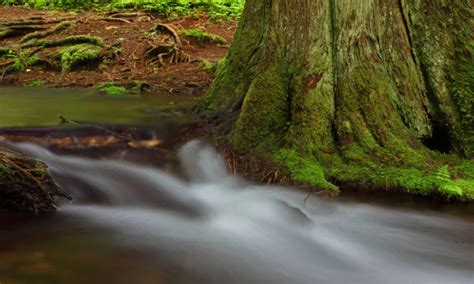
column 354, row 90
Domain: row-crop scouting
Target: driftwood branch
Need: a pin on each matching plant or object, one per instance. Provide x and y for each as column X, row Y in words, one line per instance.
column 25, row 185
column 105, row 129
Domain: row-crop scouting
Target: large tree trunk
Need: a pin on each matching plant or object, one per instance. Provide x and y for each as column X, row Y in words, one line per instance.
column 358, row 91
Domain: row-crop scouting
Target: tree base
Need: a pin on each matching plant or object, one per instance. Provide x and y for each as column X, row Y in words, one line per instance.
column 354, row 92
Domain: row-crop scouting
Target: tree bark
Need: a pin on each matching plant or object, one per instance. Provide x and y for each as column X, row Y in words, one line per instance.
column 364, row 92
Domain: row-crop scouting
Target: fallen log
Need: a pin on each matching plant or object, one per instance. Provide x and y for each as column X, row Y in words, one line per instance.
column 26, row 186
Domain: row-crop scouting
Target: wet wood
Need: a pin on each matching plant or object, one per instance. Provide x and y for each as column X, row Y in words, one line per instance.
column 26, row 186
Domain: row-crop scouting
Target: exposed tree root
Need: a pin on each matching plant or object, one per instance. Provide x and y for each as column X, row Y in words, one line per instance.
column 127, row 18
column 117, row 14
column 167, row 53
column 18, row 31
column 70, row 40
column 112, row 19
column 38, row 42
column 28, row 51
column 32, row 22
column 31, row 49
column 56, row 29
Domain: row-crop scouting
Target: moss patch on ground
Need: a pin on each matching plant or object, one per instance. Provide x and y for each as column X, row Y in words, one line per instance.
column 202, row 37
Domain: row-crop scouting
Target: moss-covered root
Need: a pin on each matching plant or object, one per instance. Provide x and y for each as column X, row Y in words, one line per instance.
column 25, row 185
column 70, row 40
column 56, row 29
column 71, row 57
column 71, row 52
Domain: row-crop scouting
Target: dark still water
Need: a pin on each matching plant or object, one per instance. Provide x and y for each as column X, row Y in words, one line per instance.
column 134, row 224
column 20, row 106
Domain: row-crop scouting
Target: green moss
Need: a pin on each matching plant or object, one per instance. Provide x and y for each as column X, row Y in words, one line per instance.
column 35, row 83
column 265, row 103
column 112, row 89
column 5, row 172
column 202, row 37
column 31, row 60
column 462, row 88
column 18, row 65
column 38, row 171
column 70, row 40
column 442, row 41
column 462, row 173
column 74, row 56
column 439, row 181
column 208, row 66
column 304, row 170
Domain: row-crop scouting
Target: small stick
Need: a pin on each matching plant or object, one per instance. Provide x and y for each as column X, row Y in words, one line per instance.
column 311, row 194
column 65, row 120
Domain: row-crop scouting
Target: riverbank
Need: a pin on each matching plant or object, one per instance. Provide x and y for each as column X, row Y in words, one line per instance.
column 137, row 51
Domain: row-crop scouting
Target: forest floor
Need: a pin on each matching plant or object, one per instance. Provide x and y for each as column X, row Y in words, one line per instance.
column 125, row 38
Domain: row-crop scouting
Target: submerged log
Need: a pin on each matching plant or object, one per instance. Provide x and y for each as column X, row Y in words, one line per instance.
column 26, row 186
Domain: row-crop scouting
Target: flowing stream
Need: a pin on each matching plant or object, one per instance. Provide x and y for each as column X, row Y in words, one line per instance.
column 134, row 224
column 131, row 223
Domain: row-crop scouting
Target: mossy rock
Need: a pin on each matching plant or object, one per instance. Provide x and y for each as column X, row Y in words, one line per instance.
column 133, row 88
column 26, row 186
column 109, row 88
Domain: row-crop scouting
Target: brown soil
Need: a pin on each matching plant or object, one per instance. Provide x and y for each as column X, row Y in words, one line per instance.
column 130, row 65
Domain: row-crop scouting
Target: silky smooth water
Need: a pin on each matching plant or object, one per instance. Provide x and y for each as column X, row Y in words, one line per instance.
column 135, row 224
